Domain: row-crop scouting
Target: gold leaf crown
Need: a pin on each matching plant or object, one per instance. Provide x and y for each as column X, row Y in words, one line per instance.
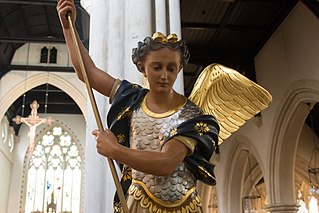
column 159, row 37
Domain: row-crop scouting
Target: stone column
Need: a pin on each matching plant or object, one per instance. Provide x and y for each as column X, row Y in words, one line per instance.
column 175, row 27
column 283, row 208
column 138, row 25
column 96, row 170
column 160, row 16
column 175, row 17
column 115, row 67
column 115, row 44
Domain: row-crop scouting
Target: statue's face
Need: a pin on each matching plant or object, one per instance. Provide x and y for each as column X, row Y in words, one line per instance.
column 34, row 105
column 161, row 68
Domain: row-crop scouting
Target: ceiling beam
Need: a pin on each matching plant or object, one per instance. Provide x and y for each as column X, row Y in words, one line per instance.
column 47, row 21
column 239, row 60
column 248, row 0
column 33, row 39
column 195, row 52
column 34, row 2
column 47, row 90
column 282, row 13
column 313, row 5
column 25, row 21
column 41, row 68
column 3, row 64
column 53, row 102
column 204, row 59
column 202, row 26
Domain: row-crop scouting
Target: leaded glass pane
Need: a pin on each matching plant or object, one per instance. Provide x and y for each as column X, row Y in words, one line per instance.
column 54, row 175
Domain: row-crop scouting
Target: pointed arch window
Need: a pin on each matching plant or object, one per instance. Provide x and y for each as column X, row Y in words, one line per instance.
column 307, row 202
column 53, row 55
column 44, row 55
column 54, row 174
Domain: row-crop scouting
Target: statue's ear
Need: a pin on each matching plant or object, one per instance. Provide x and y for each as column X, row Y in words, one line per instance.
column 141, row 67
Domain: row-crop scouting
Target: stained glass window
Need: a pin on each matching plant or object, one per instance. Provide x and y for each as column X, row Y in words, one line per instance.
column 308, row 203
column 54, row 174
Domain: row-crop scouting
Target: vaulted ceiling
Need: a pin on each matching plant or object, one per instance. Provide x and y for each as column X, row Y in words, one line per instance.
column 230, row 32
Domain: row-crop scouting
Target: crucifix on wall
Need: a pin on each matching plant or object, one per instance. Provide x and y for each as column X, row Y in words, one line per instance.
column 33, row 121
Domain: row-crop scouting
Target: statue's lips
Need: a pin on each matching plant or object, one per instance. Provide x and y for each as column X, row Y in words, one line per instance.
column 163, row 84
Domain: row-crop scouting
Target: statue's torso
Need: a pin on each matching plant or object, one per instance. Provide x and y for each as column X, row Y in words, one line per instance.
column 148, row 133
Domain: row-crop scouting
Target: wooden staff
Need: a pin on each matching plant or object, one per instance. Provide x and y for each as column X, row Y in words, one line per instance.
column 96, row 114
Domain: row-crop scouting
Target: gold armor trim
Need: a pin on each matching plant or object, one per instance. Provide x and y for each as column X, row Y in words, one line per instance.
column 161, row 202
column 204, row 172
column 147, row 200
column 160, row 115
column 187, row 141
column 114, row 88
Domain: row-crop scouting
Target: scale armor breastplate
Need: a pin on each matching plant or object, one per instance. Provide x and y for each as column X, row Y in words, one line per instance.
column 148, row 133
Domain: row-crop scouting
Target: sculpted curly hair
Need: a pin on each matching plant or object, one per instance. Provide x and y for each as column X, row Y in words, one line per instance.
column 157, row 42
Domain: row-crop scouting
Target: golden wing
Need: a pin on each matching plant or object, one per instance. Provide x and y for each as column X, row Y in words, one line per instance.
column 229, row 96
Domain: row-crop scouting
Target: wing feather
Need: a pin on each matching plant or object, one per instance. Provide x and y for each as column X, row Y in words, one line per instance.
column 229, row 96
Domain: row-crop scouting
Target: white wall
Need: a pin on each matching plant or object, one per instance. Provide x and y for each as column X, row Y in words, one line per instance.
column 287, row 64
column 21, row 56
column 6, row 158
column 306, row 144
column 289, row 61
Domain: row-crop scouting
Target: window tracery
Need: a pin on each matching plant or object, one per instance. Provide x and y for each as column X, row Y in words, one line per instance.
column 54, row 174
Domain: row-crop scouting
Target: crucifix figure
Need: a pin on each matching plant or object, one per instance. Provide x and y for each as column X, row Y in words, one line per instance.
column 33, row 121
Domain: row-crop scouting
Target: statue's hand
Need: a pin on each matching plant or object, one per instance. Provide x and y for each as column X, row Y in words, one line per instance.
column 17, row 119
column 64, row 7
column 107, row 144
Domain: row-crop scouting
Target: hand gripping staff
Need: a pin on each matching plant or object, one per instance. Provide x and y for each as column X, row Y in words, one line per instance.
column 96, row 113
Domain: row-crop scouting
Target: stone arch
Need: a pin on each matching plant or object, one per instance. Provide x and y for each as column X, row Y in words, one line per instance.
column 285, row 139
column 26, row 160
column 35, row 80
column 235, row 167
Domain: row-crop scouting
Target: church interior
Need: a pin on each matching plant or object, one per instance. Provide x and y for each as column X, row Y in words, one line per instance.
column 48, row 159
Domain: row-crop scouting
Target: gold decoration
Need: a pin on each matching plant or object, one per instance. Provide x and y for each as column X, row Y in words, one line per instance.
column 173, row 132
column 204, row 172
column 135, row 86
column 126, row 112
column 161, row 202
column 121, row 138
column 229, row 96
column 201, row 128
column 127, row 173
column 159, row 37
column 118, row 207
column 155, row 205
column 161, row 115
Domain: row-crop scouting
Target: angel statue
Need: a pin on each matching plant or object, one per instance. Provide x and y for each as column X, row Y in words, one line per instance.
column 163, row 140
